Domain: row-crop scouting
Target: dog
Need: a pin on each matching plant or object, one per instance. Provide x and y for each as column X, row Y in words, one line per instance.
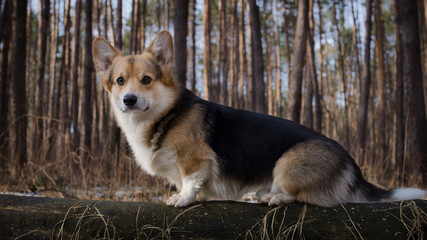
column 214, row 152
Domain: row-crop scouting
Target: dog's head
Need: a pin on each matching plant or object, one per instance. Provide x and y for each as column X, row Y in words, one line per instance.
column 139, row 84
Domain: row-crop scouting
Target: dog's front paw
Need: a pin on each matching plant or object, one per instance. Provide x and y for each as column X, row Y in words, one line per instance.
column 178, row 200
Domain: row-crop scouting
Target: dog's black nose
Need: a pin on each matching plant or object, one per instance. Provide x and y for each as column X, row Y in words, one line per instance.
column 130, row 100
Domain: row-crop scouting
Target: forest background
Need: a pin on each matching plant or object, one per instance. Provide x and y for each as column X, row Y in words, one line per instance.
column 354, row 70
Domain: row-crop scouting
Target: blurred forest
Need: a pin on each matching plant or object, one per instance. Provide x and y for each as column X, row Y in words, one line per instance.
column 354, row 70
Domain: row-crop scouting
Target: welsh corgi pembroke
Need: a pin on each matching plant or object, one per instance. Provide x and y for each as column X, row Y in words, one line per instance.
column 213, row 152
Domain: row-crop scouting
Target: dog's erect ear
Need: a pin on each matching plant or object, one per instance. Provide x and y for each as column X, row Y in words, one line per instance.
column 162, row 48
column 103, row 56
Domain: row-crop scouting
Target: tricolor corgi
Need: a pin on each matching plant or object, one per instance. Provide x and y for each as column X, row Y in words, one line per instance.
column 209, row 151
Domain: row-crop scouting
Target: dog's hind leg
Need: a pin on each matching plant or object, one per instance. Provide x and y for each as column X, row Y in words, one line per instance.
column 315, row 172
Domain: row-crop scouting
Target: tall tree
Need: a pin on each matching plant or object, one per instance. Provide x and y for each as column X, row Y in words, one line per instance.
column 294, row 99
column 234, row 40
column 258, row 102
column 40, row 88
column 64, row 81
column 380, row 48
column 222, row 66
column 341, row 65
column 365, row 86
column 278, row 80
column 287, row 37
column 242, row 57
column 143, row 24
column 18, row 82
column 180, row 39
column 399, row 123
column 207, row 63
column 119, row 24
column 193, row 45
column 87, row 79
column 75, row 76
column 412, row 75
column 319, row 105
column 5, row 86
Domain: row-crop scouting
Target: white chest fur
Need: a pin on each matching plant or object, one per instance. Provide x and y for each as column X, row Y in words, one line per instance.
column 156, row 162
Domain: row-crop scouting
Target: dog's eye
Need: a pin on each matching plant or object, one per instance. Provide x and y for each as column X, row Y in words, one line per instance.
column 120, row 81
column 146, row 80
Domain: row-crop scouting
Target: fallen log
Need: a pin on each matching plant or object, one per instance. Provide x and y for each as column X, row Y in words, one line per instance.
column 49, row 218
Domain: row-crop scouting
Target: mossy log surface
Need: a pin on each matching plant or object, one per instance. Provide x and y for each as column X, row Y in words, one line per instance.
column 49, row 218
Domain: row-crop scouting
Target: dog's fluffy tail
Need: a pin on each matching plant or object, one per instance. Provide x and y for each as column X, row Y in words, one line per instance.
column 367, row 192
column 399, row 194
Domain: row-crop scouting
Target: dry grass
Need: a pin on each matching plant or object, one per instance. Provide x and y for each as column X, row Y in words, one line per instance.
column 83, row 215
column 356, row 235
column 273, row 226
column 413, row 221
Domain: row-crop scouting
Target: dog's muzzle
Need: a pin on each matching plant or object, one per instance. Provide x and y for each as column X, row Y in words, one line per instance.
column 133, row 102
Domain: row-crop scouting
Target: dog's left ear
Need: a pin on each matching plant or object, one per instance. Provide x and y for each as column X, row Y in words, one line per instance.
column 162, row 48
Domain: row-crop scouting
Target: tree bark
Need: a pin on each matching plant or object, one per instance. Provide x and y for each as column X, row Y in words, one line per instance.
column 87, row 80
column 64, row 77
column 223, row 67
column 294, row 99
column 5, row 89
column 30, row 218
column 399, row 117
column 257, row 60
column 119, row 24
column 412, row 75
column 180, row 39
column 365, row 86
column 207, row 62
column 75, row 87
column 319, row 108
column 40, row 89
column 242, row 57
column 19, row 83
column 381, row 105
column 193, row 45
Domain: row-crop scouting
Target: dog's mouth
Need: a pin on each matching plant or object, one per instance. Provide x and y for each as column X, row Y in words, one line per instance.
column 134, row 109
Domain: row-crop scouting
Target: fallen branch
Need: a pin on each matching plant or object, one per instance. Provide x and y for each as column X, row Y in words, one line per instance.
column 32, row 218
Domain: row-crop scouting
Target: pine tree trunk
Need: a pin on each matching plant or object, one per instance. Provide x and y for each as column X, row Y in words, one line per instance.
column 365, row 86
column 63, row 84
column 180, row 39
column 232, row 56
column 75, row 80
column 257, row 60
column 5, row 88
column 294, row 99
column 207, row 63
column 87, row 82
column 399, row 118
column 379, row 40
column 412, row 74
column 40, row 100
column 242, row 56
column 19, row 83
column 119, row 34
column 278, row 79
column 319, row 109
column 193, row 45
column 223, row 65
column 288, row 47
